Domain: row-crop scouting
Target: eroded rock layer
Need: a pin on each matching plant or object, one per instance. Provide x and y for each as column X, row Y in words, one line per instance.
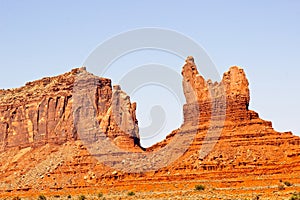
column 45, row 125
column 42, row 111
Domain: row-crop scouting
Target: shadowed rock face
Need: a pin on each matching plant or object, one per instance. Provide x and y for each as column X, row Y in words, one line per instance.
column 232, row 146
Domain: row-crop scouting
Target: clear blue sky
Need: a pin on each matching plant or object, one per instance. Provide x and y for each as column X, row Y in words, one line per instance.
column 45, row 38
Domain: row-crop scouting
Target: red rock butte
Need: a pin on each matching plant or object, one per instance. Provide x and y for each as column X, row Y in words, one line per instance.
column 233, row 153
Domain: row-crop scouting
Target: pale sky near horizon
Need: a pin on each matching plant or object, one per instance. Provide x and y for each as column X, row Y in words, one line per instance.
column 46, row 38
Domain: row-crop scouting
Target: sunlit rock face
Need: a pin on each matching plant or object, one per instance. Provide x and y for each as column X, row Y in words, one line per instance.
column 45, row 125
column 42, row 111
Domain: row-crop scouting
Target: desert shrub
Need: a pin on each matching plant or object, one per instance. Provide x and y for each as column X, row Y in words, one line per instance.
column 287, row 183
column 69, row 196
column 281, row 187
column 131, row 193
column 255, row 198
column 16, row 198
column 199, row 187
column 42, row 197
column 81, row 197
column 295, row 196
column 100, row 195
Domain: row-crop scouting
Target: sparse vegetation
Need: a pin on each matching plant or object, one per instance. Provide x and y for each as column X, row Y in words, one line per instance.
column 281, row 187
column 287, row 183
column 69, row 196
column 131, row 193
column 100, row 195
column 81, row 197
column 16, row 198
column 295, row 196
column 255, row 198
column 199, row 187
column 42, row 197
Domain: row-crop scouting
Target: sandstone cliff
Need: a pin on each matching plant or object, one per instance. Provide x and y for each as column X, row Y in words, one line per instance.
column 42, row 111
column 46, row 127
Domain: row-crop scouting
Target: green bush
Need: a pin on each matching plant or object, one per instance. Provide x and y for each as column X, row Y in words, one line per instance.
column 130, row 193
column 287, row 183
column 295, row 196
column 81, row 197
column 100, row 195
column 199, row 187
column 42, row 197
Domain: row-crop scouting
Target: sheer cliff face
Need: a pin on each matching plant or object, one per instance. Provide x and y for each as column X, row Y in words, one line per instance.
column 41, row 112
column 229, row 98
column 52, row 116
column 224, row 108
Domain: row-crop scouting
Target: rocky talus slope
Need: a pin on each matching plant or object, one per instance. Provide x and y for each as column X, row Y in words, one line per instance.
column 54, row 132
